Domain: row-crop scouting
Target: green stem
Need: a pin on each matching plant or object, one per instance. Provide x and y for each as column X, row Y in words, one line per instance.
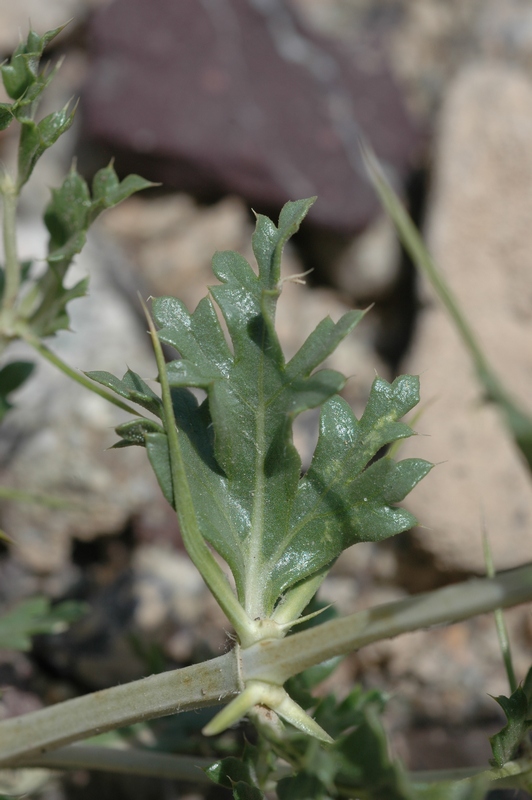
column 500, row 625
column 9, row 227
column 79, row 377
column 194, row 542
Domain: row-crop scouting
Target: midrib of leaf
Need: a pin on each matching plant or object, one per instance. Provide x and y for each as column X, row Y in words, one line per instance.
column 253, row 595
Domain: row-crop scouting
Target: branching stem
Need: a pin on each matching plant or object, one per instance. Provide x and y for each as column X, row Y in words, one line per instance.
column 275, row 660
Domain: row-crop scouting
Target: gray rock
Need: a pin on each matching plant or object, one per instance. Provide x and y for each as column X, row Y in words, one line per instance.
column 55, row 441
column 481, row 237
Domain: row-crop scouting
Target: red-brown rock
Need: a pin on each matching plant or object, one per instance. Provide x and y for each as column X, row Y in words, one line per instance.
column 235, row 96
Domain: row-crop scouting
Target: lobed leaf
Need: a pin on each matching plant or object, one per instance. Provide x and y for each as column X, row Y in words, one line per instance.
column 253, row 508
column 273, row 527
column 22, row 71
column 518, row 711
column 35, row 138
column 68, row 217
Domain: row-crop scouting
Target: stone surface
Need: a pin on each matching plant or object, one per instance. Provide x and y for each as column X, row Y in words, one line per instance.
column 15, row 16
column 369, row 265
column 55, row 441
column 480, row 235
column 237, row 97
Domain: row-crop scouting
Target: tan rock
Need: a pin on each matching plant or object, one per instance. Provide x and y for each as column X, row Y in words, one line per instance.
column 16, row 15
column 55, row 441
column 171, row 241
column 481, row 236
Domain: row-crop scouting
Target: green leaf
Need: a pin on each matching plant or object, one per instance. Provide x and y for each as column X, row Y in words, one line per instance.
column 244, row 471
column 12, row 376
column 518, row 711
column 6, row 115
column 108, row 191
column 159, row 456
column 23, row 69
column 303, row 786
column 131, row 387
column 35, row 138
column 236, row 774
column 68, row 217
column 273, row 528
column 243, row 791
column 34, row 616
column 50, row 314
column 365, row 761
column 66, row 214
column 18, row 75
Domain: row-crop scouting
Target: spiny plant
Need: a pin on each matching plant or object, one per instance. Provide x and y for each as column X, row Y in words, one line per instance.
column 229, row 468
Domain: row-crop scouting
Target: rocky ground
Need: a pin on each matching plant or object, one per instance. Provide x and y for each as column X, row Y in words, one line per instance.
column 456, row 74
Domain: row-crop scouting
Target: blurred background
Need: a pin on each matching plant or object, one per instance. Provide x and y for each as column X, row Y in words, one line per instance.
column 233, row 105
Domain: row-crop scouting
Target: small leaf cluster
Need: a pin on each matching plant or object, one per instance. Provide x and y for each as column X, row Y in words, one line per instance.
column 71, row 211
column 36, row 307
column 24, row 81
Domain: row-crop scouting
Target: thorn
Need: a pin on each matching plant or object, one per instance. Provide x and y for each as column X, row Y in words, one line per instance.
column 297, row 278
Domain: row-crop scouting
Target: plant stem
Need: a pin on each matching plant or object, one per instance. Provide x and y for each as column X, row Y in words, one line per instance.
column 79, row 377
column 12, row 266
column 278, row 660
column 130, row 760
column 194, row 542
column 502, row 633
column 31, row 735
column 517, row 420
column 274, row 660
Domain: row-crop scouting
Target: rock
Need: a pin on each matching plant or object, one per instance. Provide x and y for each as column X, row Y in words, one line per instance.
column 239, row 98
column 505, row 29
column 171, row 241
column 55, row 441
column 480, row 235
column 15, row 17
column 369, row 265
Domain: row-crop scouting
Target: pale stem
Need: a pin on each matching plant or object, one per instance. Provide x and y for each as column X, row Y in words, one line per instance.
column 194, row 542
column 207, row 684
column 278, row 660
column 12, row 266
column 130, row 760
column 79, row 377
column 217, row 681
column 298, row 597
